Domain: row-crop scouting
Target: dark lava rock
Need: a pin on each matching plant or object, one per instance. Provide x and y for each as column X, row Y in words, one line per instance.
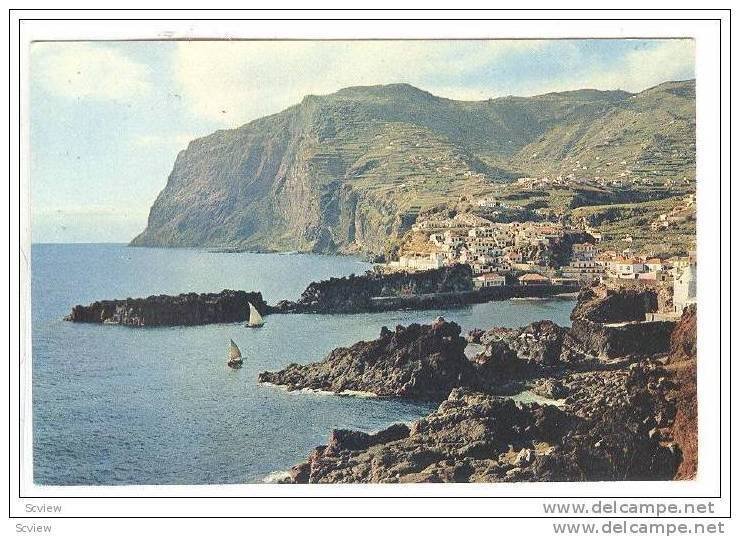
column 618, row 420
column 515, row 353
column 418, row 361
column 551, row 389
column 646, row 338
column 354, row 294
column 606, row 305
column 606, row 432
column 471, row 437
column 614, row 440
column 165, row 310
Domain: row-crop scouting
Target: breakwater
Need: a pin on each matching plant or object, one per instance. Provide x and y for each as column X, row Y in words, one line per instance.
column 171, row 310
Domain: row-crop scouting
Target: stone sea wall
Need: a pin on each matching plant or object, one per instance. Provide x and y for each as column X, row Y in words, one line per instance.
column 433, row 289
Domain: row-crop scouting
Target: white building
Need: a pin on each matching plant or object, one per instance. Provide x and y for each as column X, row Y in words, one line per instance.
column 684, row 288
column 583, row 251
column 483, row 232
column 489, row 280
column 628, row 269
column 419, row 262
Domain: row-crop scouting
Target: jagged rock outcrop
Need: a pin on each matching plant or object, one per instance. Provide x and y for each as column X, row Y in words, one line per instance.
column 646, row 338
column 166, row 310
column 611, row 434
column 471, row 437
column 630, row 419
column 417, row 361
column 601, row 304
column 427, row 361
column 621, row 433
column 540, row 343
column 610, row 322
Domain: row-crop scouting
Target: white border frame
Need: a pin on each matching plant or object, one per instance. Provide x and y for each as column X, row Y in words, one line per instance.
column 709, row 190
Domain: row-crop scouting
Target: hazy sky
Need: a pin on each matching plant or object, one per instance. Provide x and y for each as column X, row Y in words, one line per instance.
column 108, row 119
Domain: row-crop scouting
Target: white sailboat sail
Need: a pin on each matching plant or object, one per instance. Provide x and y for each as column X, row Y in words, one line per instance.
column 255, row 319
column 234, row 353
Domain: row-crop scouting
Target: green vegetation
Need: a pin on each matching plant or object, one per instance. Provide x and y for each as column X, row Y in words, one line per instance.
column 351, row 171
column 617, row 222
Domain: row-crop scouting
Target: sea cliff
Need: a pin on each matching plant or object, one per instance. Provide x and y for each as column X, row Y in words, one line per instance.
column 348, row 172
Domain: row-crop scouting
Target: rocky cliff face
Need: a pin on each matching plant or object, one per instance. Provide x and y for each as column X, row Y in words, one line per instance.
column 681, row 368
column 349, row 171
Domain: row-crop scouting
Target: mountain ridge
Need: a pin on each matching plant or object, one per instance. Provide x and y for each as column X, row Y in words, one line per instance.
column 347, row 171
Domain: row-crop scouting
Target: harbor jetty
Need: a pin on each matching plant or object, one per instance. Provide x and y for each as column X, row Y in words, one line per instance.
column 442, row 288
column 167, row 310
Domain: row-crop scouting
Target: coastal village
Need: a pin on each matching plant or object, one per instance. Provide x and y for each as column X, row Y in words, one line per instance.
column 545, row 253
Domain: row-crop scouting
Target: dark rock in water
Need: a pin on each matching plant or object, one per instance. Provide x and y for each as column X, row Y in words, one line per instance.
column 418, row 361
column 471, row 437
column 364, row 293
column 342, row 439
column 606, row 305
column 427, row 361
column 166, row 310
column 446, row 287
column 604, row 434
column 516, row 353
column 646, row 338
column 618, row 420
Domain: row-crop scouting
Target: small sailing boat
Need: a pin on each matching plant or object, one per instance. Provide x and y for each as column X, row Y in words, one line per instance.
column 255, row 319
column 234, row 355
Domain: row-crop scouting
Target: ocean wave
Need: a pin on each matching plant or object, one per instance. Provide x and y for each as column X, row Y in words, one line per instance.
column 280, row 476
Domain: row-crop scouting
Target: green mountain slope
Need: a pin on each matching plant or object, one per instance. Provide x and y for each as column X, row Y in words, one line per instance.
column 349, row 171
column 646, row 135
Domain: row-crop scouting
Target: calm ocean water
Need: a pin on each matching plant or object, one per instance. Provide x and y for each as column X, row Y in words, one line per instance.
column 116, row 405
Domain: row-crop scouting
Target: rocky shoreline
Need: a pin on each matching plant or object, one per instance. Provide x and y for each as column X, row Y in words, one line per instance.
column 617, row 416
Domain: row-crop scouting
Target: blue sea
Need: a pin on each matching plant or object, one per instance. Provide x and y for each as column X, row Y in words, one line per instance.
column 115, row 405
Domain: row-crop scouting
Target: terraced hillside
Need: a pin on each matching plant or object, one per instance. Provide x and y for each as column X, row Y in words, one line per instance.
column 647, row 135
column 349, row 171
